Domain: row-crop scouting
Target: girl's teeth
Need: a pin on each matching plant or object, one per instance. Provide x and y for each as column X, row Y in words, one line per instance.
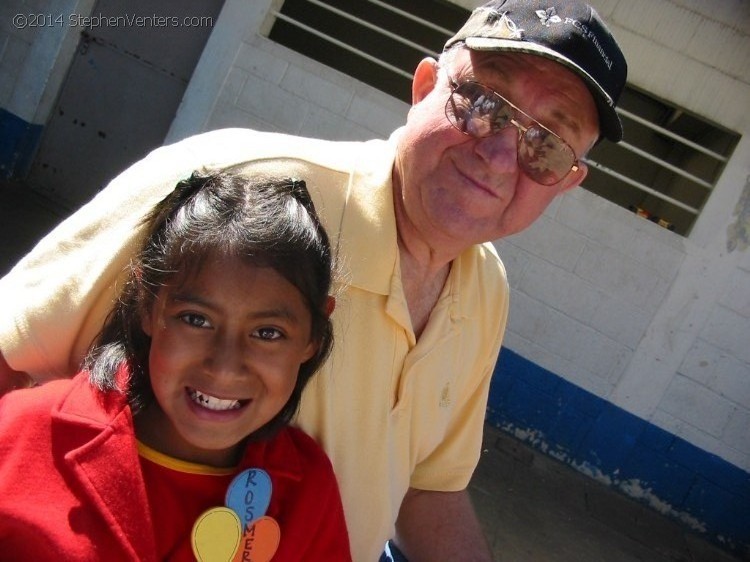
column 211, row 402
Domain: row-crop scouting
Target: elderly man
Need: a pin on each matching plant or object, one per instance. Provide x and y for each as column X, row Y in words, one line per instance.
column 497, row 130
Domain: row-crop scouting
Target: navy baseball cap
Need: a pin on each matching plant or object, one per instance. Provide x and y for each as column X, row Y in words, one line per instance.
column 568, row 32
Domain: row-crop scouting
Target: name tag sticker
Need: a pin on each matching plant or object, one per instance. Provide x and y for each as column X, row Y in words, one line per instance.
column 249, row 494
column 260, row 541
column 217, row 535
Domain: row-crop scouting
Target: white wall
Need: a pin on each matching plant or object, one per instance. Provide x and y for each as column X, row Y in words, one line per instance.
column 246, row 80
column 654, row 322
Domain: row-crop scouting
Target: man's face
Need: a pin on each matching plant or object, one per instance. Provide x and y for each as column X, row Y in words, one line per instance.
column 459, row 190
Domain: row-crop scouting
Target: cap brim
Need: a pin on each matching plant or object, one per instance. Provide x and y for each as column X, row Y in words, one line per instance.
column 609, row 122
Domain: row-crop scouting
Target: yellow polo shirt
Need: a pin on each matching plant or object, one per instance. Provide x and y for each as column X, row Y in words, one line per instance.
column 390, row 411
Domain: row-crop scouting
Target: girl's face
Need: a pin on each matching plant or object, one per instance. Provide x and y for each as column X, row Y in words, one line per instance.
column 227, row 343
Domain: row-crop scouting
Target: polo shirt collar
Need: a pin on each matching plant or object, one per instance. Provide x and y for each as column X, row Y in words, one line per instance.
column 367, row 239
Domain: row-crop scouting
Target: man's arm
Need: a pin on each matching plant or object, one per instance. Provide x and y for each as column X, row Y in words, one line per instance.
column 440, row 526
column 10, row 379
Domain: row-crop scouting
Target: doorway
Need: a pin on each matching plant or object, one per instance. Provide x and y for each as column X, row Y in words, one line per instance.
column 132, row 66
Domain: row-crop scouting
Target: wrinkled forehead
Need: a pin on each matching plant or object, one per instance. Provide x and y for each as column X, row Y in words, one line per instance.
column 535, row 84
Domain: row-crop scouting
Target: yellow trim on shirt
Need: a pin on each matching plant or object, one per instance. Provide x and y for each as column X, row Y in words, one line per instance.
column 179, row 465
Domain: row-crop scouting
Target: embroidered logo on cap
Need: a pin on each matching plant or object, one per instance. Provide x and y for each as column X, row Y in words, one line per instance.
column 497, row 24
column 445, row 396
column 590, row 34
column 548, row 16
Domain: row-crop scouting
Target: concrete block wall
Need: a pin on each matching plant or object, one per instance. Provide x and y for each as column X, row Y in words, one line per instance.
column 651, row 329
column 697, row 55
column 586, row 280
column 270, row 87
column 246, row 80
column 611, row 365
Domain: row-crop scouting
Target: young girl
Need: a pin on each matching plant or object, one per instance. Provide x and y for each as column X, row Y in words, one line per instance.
column 173, row 442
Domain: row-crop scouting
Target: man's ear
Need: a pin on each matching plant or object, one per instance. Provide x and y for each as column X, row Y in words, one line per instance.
column 574, row 179
column 146, row 323
column 330, row 306
column 425, row 78
column 313, row 346
column 145, row 313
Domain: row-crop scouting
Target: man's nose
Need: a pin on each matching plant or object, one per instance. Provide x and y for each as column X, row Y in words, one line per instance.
column 500, row 151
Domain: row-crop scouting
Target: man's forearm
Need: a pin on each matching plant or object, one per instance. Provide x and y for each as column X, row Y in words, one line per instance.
column 440, row 526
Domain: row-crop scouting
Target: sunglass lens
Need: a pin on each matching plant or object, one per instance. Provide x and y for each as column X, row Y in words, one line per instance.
column 459, row 111
column 478, row 111
column 545, row 157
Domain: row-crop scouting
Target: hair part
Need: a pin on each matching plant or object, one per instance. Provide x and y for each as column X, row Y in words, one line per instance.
column 265, row 223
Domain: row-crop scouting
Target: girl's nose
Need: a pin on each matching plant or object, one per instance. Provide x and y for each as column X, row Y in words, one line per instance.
column 227, row 357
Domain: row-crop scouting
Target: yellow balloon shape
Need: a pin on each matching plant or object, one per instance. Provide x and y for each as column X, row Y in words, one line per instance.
column 216, row 535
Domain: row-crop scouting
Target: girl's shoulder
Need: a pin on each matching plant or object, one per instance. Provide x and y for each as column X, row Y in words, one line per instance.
column 26, row 417
column 71, row 398
column 298, row 453
column 34, row 401
column 305, row 444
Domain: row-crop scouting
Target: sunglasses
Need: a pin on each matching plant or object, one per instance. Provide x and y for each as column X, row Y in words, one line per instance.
column 479, row 111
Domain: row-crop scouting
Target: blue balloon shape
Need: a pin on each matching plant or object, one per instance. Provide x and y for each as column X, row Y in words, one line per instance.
column 249, row 494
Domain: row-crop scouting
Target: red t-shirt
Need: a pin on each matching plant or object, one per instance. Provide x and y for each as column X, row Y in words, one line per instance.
column 304, row 500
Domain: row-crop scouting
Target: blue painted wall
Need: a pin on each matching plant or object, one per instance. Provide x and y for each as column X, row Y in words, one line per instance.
column 18, row 143
column 701, row 490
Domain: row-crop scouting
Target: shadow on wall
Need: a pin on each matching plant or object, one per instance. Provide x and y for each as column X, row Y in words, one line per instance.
column 25, row 217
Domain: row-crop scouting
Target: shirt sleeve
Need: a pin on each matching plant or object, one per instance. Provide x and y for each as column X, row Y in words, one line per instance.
column 55, row 300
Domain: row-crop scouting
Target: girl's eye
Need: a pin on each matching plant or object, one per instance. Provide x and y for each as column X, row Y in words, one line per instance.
column 196, row 320
column 267, row 333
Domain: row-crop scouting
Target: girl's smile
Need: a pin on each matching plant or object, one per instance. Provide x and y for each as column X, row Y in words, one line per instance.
column 213, row 403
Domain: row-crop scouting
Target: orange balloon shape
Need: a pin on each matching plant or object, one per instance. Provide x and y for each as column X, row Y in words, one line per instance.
column 260, row 541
